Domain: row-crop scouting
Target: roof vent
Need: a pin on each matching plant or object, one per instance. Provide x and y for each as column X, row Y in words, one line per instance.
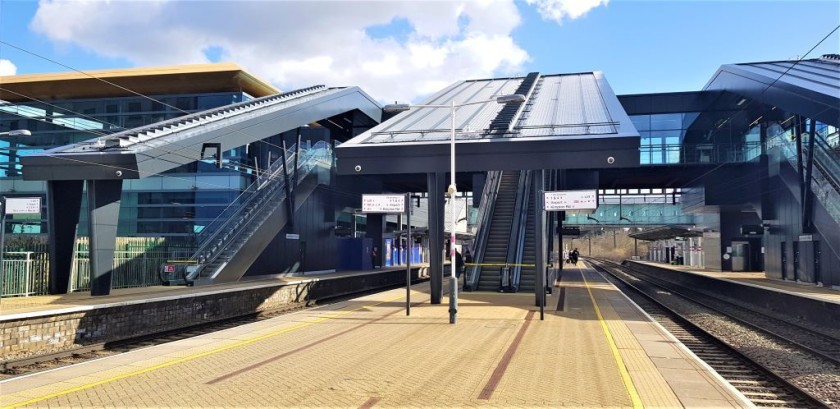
column 832, row 58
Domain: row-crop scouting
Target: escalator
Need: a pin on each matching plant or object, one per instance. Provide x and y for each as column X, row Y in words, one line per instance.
column 824, row 183
column 528, row 258
column 228, row 246
column 498, row 238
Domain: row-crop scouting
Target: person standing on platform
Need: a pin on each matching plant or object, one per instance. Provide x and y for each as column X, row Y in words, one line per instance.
column 373, row 257
column 574, row 256
column 467, row 258
column 459, row 264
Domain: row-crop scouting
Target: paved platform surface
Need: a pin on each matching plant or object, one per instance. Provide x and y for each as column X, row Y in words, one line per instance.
column 83, row 300
column 593, row 349
column 759, row 279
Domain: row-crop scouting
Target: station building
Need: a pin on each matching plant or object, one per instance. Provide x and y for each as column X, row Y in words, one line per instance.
column 750, row 161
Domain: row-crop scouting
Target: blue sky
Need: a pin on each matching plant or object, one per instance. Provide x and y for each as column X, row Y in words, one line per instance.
column 405, row 50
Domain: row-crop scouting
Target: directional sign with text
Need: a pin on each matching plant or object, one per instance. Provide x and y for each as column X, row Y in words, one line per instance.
column 23, row 205
column 571, row 200
column 383, row 203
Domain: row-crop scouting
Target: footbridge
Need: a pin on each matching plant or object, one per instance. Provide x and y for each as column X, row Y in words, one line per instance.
column 229, row 244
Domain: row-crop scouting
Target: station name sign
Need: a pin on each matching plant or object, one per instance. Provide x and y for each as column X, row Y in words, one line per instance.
column 383, row 203
column 571, row 200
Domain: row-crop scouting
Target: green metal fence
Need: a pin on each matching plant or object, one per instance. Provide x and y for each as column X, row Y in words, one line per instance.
column 136, row 263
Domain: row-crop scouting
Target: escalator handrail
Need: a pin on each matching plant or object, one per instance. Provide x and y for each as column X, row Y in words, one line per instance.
column 827, row 156
column 515, row 252
column 262, row 199
column 226, row 216
column 485, row 214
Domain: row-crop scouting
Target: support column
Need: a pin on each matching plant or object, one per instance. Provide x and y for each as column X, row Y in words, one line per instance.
column 64, row 202
column 435, row 185
column 290, row 204
column 375, row 229
column 808, row 194
column 539, row 234
column 103, row 216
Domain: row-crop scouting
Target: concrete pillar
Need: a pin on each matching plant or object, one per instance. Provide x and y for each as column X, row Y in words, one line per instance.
column 64, row 202
column 103, row 216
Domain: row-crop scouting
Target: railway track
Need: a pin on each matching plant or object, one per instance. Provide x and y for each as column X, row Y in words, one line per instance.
column 815, row 342
column 762, row 386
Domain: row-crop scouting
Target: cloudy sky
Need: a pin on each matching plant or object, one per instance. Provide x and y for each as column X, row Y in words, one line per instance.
column 404, row 50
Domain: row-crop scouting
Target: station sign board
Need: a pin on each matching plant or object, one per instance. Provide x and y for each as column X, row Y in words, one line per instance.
column 23, row 205
column 383, row 203
column 581, row 200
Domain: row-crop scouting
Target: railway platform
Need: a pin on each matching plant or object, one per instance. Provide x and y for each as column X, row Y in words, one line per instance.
column 818, row 306
column 594, row 348
column 80, row 301
column 759, row 279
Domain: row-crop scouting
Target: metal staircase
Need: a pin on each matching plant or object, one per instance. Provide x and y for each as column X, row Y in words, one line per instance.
column 252, row 221
column 498, row 238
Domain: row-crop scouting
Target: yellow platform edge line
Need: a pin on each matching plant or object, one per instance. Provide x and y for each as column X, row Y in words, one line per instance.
column 622, row 368
column 196, row 356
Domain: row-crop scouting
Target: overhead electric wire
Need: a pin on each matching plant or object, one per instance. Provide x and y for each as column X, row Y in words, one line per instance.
column 730, row 186
column 121, row 87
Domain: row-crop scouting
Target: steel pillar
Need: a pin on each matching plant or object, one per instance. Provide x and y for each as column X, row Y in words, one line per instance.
column 435, row 186
column 64, row 202
column 103, row 216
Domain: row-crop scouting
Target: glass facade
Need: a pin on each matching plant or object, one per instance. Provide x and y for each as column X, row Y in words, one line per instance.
column 178, row 203
column 713, row 136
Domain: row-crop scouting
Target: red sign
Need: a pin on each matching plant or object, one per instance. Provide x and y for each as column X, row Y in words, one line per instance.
column 168, row 268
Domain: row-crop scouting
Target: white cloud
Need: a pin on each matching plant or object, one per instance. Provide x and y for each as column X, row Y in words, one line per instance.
column 7, row 67
column 558, row 10
column 295, row 44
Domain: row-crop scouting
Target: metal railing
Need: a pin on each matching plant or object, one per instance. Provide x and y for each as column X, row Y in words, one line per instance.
column 24, row 273
column 258, row 206
column 249, row 195
column 703, row 153
column 826, row 173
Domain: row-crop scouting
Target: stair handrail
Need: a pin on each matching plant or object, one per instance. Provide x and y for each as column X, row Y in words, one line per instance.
column 213, row 114
column 236, row 207
column 246, row 197
column 309, row 157
column 829, row 198
column 517, row 227
column 485, row 213
column 829, row 159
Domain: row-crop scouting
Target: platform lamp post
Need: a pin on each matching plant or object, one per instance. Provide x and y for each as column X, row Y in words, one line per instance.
column 452, row 190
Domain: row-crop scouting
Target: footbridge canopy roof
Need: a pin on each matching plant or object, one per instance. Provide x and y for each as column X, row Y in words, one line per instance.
column 566, row 121
column 808, row 87
column 155, row 148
